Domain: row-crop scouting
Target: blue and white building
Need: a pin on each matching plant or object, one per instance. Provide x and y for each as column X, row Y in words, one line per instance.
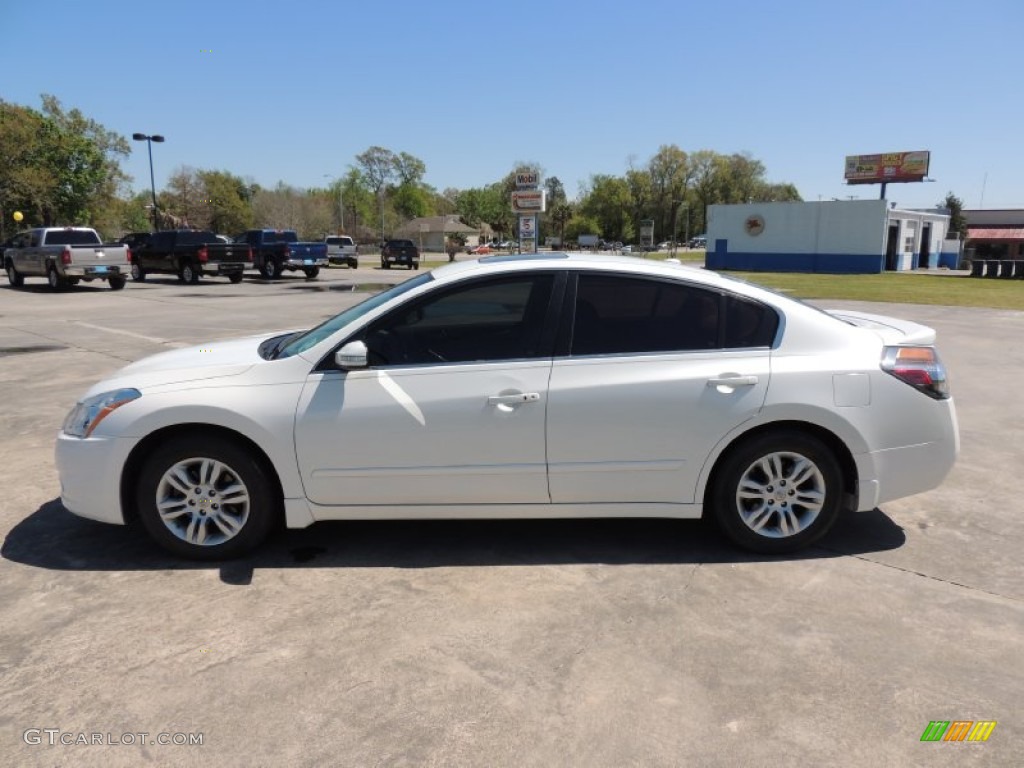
column 839, row 236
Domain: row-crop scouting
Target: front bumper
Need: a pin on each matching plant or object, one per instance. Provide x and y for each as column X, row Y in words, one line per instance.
column 90, row 475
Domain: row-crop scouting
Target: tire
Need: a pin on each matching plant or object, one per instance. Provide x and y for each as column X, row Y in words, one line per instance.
column 235, row 277
column 189, row 274
column 270, row 270
column 353, row 264
column 414, row 265
column 13, row 277
column 138, row 273
column 57, row 283
column 385, row 265
column 751, row 500
column 189, row 477
column 312, row 272
column 117, row 283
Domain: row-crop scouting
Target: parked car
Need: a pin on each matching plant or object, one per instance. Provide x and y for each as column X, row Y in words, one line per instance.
column 481, row 250
column 135, row 239
column 190, row 254
column 342, row 249
column 275, row 251
column 546, row 386
column 698, row 242
column 399, row 252
column 64, row 256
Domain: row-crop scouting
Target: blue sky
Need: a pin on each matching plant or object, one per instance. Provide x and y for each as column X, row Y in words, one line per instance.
column 294, row 90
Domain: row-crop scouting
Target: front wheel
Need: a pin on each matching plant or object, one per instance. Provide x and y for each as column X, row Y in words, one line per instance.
column 311, row 272
column 138, row 273
column 16, row 280
column 778, row 493
column 205, row 498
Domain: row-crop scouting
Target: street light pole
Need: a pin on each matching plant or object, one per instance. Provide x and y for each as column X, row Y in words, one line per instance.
column 152, row 183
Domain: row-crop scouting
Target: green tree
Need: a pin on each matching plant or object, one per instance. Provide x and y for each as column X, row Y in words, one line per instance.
column 957, row 220
column 228, row 201
column 608, row 200
column 670, row 173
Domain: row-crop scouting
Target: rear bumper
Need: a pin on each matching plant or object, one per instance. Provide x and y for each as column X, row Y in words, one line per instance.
column 302, row 263
column 895, row 473
column 224, row 267
column 352, row 261
column 97, row 271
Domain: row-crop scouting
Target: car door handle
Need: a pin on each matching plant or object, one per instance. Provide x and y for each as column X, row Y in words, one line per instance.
column 732, row 381
column 521, row 397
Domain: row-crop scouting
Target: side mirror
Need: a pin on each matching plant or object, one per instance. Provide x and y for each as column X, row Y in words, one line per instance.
column 352, row 356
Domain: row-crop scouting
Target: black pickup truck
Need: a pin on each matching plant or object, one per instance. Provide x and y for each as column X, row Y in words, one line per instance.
column 397, row 252
column 189, row 254
column 277, row 250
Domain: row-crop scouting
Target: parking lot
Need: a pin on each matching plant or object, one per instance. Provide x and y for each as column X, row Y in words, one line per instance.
column 539, row 643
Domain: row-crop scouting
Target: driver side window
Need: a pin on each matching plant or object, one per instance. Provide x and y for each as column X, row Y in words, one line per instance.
column 486, row 320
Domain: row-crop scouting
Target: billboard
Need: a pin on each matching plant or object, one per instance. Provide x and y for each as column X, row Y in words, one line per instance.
column 892, row 166
column 529, row 201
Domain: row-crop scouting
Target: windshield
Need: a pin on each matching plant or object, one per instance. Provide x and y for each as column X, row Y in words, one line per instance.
column 72, row 237
column 313, row 337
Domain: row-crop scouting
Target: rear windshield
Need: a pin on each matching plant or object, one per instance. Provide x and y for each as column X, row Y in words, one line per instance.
column 281, row 236
column 400, row 244
column 72, row 237
column 196, row 238
column 339, row 241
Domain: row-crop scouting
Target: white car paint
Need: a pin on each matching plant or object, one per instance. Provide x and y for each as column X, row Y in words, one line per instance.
column 605, row 435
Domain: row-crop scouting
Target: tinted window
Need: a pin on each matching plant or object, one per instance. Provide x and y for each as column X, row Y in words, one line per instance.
column 498, row 319
column 283, row 236
column 620, row 315
column 339, row 241
column 749, row 323
column 400, row 244
column 72, row 237
column 196, row 238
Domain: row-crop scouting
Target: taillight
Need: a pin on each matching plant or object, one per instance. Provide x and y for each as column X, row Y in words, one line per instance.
column 919, row 367
column 249, row 254
column 65, row 256
column 203, row 254
column 128, row 254
column 287, row 252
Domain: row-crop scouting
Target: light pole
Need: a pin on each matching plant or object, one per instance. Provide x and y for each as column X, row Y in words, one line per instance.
column 152, row 184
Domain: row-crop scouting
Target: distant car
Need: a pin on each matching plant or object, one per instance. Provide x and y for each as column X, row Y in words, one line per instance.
column 549, row 386
column 399, row 252
column 481, row 250
column 698, row 242
column 664, row 245
column 342, row 249
column 626, row 249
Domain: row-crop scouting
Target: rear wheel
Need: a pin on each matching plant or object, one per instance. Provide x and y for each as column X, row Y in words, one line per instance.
column 205, row 498
column 777, row 493
column 16, row 280
column 138, row 273
column 311, row 272
column 117, row 283
column 56, row 282
column 189, row 274
column 270, row 270
column 385, row 265
column 235, row 277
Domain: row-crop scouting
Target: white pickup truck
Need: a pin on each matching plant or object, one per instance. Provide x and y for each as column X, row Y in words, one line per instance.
column 65, row 255
column 342, row 249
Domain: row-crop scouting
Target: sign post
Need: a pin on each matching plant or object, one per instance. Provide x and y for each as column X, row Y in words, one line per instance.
column 528, row 200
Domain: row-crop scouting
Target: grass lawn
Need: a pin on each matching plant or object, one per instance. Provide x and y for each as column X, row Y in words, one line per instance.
column 899, row 287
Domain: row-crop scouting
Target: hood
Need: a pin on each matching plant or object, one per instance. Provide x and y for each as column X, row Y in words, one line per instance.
column 891, row 329
column 218, row 359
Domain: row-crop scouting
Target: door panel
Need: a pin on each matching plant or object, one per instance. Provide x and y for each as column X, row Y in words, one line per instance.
column 639, row 428
column 433, row 434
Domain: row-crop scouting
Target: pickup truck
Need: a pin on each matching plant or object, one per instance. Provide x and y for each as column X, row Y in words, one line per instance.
column 65, row 255
column 397, row 252
column 189, row 254
column 342, row 249
column 277, row 250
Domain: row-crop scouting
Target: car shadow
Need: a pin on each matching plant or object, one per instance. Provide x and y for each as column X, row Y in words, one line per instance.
column 53, row 538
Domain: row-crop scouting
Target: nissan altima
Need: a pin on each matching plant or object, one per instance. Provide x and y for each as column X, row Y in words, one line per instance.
column 545, row 385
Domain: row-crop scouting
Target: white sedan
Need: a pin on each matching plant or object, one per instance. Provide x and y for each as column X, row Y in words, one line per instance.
column 543, row 385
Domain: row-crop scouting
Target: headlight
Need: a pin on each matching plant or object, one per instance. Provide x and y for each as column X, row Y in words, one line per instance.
column 86, row 415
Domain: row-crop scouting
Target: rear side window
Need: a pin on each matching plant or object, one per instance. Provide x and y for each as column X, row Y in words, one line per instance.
column 748, row 323
column 623, row 315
